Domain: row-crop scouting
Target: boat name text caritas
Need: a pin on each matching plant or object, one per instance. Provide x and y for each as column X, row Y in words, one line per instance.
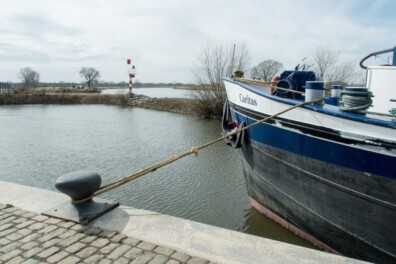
column 246, row 99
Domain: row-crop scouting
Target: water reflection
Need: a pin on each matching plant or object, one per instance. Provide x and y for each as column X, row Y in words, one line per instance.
column 259, row 225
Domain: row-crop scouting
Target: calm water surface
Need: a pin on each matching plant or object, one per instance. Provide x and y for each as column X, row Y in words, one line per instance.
column 40, row 143
column 152, row 92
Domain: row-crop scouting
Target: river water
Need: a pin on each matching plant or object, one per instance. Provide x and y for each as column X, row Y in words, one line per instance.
column 159, row 92
column 38, row 143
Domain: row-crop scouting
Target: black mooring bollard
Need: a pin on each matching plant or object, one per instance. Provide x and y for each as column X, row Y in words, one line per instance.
column 79, row 185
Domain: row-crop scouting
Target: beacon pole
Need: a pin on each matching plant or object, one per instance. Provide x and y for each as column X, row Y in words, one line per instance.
column 131, row 73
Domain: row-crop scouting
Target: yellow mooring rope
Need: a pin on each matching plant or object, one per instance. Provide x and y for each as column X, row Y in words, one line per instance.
column 268, row 83
column 193, row 150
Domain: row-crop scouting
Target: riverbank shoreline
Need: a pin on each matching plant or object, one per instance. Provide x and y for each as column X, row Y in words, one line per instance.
column 128, row 234
column 184, row 106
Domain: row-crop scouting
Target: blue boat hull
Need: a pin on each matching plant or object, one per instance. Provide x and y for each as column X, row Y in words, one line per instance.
column 337, row 196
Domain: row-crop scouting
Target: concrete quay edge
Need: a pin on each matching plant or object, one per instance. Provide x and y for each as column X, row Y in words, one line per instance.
column 204, row 241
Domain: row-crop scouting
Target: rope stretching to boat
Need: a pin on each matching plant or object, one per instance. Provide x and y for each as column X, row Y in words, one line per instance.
column 268, row 83
column 193, row 150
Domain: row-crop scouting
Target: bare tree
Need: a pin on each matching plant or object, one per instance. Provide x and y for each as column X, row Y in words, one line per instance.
column 214, row 63
column 29, row 78
column 266, row 70
column 324, row 58
column 340, row 73
column 330, row 68
column 90, row 75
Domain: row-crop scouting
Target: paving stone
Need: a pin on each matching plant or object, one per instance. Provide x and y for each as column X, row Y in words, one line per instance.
column 31, row 261
column 195, row 260
column 19, row 220
column 57, row 257
column 180, row 256
column 10, row 209
column 107, row 249
column 100, row 242
column 7, row 232
column 19, row 212
column 70, row 260
column 7, row 220
column 9, row 247
column 71, row 240
column 143, row 258
column 37, row 226
column 94, row 259
column 4, row 242
column 164, row 251
column 89, row 239
column 25, row 224
column 133, row 253
column 77, row 227
column 69, row 233
column 48, row 252
column 29, row 245
column 86, row 252
column 172, row 261
column 93, row 231
column 48, row 229
column 105, row 261
column 24, row 232
column 75, row 247
column 66, row 224
column 5, row 226
column 108, row 234
column 29, row 215
column 131, row 241
column 146, row 246
column 51, row 242
column 40, row 218
column 159, row 259
column 10, row 255
column 118, row 238
column 118, row 252
column 52, row 235
column 52, row 221
column 121, row 261
column 4, row 216
column 14, row 236
column 32, row 252
column 31, row 237
column 16, row 260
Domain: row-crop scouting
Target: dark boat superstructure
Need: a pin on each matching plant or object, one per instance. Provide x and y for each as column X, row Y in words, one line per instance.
column 326, row 174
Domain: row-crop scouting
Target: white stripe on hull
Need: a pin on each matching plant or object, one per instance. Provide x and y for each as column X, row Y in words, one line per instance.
column 349, row 128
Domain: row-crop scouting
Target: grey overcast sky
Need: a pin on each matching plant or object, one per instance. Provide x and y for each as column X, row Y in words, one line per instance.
column 163, row 38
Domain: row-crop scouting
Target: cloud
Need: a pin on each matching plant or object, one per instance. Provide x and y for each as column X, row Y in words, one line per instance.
column 163, row 37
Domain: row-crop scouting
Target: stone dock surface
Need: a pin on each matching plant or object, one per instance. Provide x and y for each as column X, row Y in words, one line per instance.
column 128, row 235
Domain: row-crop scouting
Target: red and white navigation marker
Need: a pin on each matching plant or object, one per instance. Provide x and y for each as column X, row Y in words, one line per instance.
column 132, row 74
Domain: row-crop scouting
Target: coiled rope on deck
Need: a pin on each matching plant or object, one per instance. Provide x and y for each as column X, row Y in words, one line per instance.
column 194, row 150
column 356, row 101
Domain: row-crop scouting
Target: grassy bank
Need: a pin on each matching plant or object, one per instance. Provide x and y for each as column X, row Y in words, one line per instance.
column 19, row 99
column 175, row 105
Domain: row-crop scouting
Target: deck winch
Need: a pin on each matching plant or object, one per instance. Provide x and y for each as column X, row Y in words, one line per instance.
column 294, row 80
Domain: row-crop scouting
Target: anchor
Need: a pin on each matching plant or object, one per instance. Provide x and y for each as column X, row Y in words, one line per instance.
column 80, row 185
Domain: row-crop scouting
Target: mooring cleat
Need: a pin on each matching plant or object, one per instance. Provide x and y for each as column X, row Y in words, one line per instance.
column 80, row 185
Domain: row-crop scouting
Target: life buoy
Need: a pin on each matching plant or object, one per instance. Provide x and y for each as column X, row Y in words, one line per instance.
column 273, row 84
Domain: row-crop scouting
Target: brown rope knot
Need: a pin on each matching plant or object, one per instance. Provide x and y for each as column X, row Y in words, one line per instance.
column 195, row 150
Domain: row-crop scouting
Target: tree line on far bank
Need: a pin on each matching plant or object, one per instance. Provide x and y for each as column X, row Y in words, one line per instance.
column 213, row 63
